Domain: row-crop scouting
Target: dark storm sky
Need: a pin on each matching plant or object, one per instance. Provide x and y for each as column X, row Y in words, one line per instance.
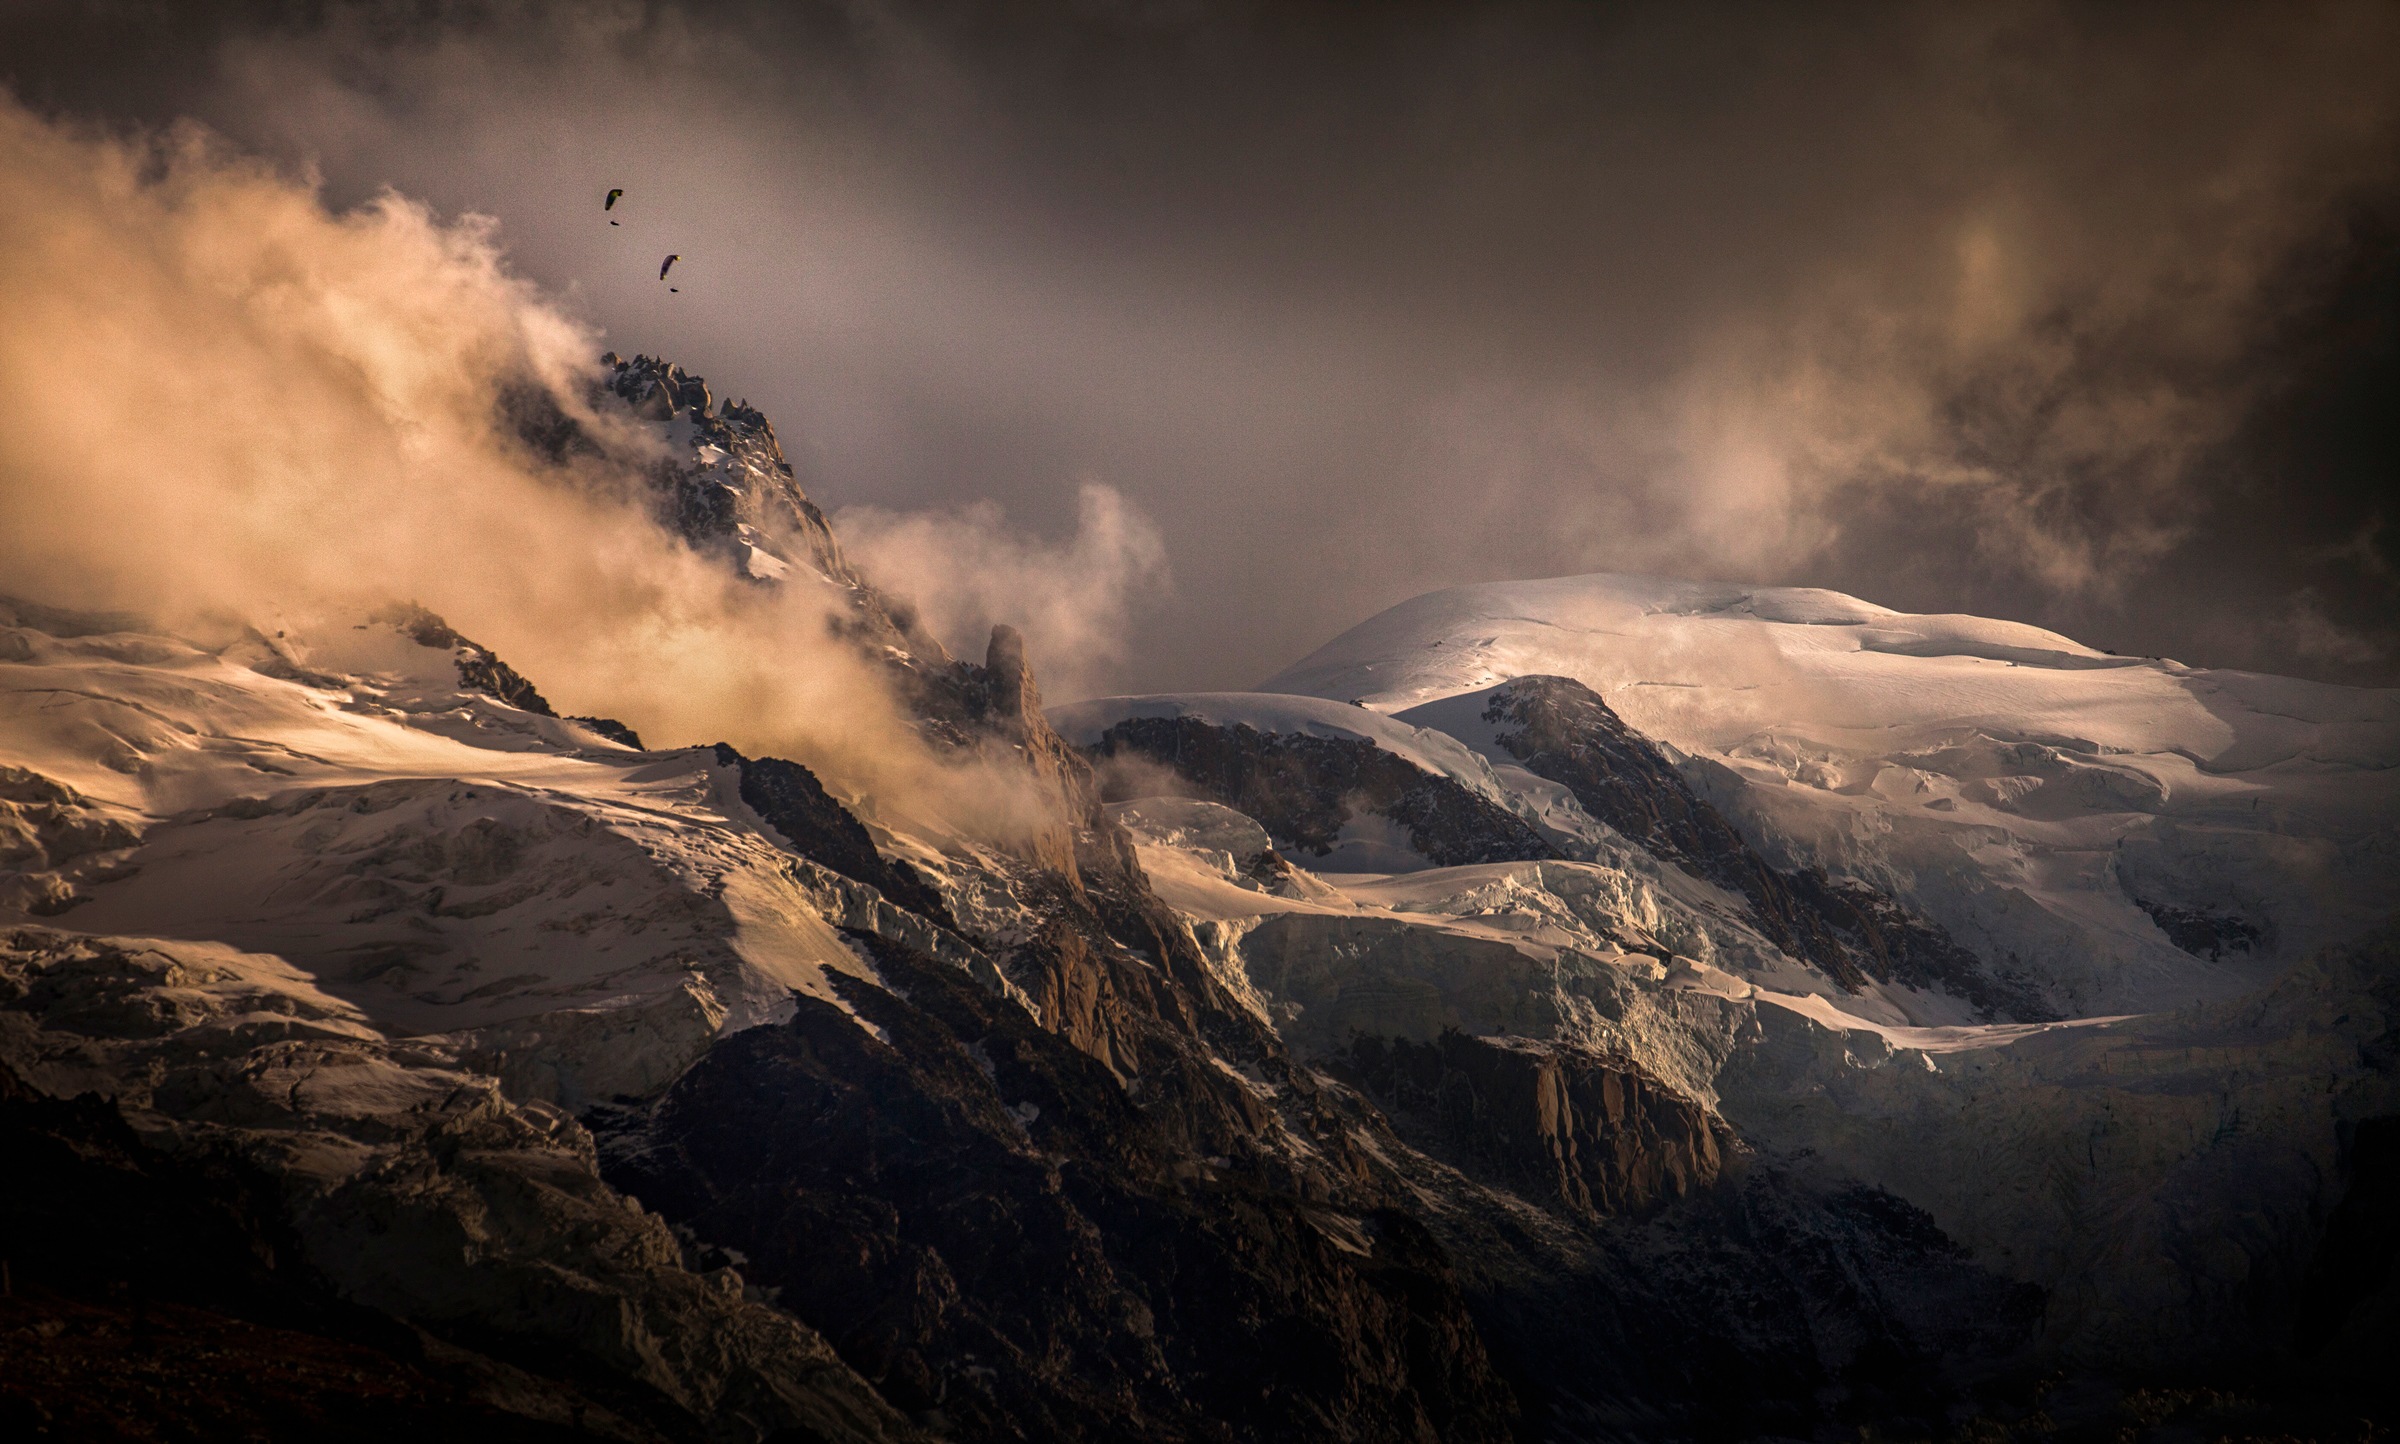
column 2087, row 316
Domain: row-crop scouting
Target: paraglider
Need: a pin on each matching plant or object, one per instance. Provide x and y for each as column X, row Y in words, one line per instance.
column 611, row 203
column 665, row 265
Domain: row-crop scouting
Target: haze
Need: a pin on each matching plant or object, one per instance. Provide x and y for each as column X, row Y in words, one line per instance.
column 1191, row 334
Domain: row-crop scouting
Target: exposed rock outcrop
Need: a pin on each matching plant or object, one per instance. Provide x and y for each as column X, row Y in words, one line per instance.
column 2209, row 935
column 1011, row 1243
column 725, row 487
column 479, row 669
column 1561, row 730
column 613, row 730
column 1591, row 1136
column 310, row 1164
column 791, row 800
column 1304, row 790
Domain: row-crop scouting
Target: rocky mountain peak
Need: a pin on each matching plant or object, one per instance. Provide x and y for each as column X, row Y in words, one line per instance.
column 1016, row 701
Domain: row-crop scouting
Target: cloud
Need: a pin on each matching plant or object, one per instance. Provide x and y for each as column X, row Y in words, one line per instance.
column 966, row 569
column 2305, row 628
column 2022, row 308
column 2017, row 356
column 232, row 404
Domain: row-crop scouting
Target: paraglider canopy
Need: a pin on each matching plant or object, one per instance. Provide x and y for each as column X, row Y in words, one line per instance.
column 611, row 203
column 666, row 264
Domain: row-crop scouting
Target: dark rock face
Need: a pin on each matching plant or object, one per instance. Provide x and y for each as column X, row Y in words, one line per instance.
column 140, row 1284
column 752, row 485
column 478, row 669
column 1304, row 789
column 2349, row 1305
column 613, row 730
column 1010, row 1243
column 750, row 500
column 1591, row 1136
column 2202, row 934
column 792, row 801
column 1561, row 730
column 456, row 1227
column 528, row 411
column 998, row 706
column 1078, row 1219
column 1768, row 1305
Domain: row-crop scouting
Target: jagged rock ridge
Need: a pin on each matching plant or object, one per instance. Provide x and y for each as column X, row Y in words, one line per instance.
column 1562, row 730
column 809, row 821
column 297, row 1170
column 1305, row 789
column 990, row 1226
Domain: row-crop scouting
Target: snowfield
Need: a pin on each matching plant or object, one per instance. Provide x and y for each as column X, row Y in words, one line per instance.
column 438, row 860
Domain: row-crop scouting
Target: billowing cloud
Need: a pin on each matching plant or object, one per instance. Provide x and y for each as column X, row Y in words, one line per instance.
column 1074, row 598
column 234, row 406
column 2068, row 314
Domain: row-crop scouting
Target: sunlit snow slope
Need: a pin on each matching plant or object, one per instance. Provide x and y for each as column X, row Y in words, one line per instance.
column 2129, row 832
column 441, row 861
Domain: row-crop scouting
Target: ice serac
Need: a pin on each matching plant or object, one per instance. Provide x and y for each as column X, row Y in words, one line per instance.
column 45, row 828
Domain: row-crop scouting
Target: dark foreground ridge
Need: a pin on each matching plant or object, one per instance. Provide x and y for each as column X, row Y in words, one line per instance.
column 1009, row 1246
column 156, row 1296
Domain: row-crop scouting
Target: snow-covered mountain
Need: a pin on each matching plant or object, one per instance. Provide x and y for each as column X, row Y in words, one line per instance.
column 1592, row 1009
column 2128, row 832
column 1960, row 908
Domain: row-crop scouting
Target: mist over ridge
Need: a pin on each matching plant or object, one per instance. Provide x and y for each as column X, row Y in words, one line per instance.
column 260, row 413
